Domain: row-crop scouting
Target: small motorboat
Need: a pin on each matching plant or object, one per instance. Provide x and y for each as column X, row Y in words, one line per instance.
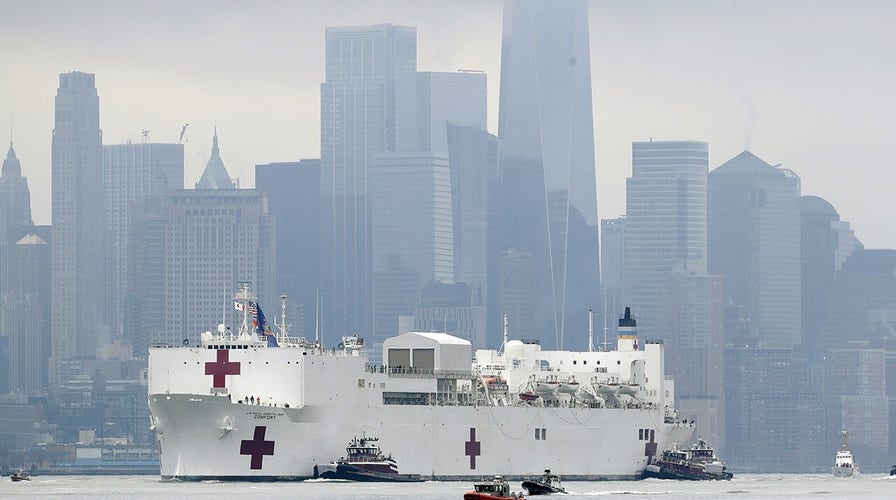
column 19, row 475
column 893, row 470
column 494, row 489
column 364, row 462
column 545, row 485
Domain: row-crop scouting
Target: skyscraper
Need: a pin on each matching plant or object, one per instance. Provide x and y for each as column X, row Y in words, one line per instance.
column 293, row 190
column 442, row 97
column 412, row 228
column 216, row 236
column 368, row 107
column 612, row 266
column 548, row 174
column 473, row 155
column 15, row 212
column 825, row 242
column 665, row 225
column 135, row 176
column 753, row 240
column 78, row 225
column 696, row 326
column 25, row 314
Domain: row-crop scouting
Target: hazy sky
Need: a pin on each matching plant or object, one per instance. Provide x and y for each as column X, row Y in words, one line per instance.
column 809, row 84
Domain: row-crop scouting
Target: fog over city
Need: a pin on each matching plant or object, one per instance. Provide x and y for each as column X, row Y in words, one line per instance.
column 807, row 84
column 574, row 234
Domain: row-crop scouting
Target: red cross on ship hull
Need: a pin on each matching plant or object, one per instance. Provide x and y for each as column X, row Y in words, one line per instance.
column 221, row 368
column 257, row 447
column 472, row 448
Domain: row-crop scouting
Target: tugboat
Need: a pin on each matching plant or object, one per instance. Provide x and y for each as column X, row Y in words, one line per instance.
column 19, row 475
column 696, row 464
column 364, row 462
column 545, row 485
column 494, row 489
column 844, row 465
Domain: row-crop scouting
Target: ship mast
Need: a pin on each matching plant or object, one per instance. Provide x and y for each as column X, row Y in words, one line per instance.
column 244, row 298
column 317, row 319
column 506, row 333
column 590, row 330
column 606, row 315
column 282, row 326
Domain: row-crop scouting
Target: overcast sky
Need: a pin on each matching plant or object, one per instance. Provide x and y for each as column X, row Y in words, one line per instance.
column 808, row 84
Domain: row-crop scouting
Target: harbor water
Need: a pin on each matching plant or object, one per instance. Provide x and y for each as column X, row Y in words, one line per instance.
column 745, row 486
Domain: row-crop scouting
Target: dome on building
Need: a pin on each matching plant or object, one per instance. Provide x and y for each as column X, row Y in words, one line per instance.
column 815, row 205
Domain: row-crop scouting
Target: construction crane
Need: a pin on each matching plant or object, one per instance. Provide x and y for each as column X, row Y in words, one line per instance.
column 183, row 129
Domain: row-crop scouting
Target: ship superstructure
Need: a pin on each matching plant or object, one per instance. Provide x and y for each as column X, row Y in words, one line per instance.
column 244, row 407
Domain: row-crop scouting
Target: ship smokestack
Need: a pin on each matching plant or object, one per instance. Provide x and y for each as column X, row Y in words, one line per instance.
column 628, row 332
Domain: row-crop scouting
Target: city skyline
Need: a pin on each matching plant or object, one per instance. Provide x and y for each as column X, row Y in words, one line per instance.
column 805, row 90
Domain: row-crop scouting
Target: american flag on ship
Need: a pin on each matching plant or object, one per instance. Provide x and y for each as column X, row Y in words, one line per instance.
column 258, row 321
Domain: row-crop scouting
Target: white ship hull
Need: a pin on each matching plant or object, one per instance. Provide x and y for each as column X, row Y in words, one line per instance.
column 433, row 441
column 844, row 471
column 436, row 423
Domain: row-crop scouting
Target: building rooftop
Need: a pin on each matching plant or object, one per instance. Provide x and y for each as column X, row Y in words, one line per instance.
column 746, row 163
column 815, row 205
column 31, row 239
column 215, row 175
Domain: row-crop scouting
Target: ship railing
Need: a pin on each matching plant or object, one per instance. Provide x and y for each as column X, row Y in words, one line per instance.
column 411, row 372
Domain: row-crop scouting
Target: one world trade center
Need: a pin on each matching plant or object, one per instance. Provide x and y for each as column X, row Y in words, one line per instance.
column 549, row 192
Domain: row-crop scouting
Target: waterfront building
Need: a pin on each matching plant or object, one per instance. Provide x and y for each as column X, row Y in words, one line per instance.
column 857, row 401
column 696, row 323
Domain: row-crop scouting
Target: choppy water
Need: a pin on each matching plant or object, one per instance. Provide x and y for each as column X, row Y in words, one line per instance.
column 746, row 486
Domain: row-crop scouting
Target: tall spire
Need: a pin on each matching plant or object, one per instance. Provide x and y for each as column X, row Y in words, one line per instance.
column 11, row 166
column 215, row 175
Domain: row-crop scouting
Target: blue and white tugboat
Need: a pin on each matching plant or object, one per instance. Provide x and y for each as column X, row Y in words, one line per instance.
column 365, row 462
column 545, row 485
column 696, row 464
